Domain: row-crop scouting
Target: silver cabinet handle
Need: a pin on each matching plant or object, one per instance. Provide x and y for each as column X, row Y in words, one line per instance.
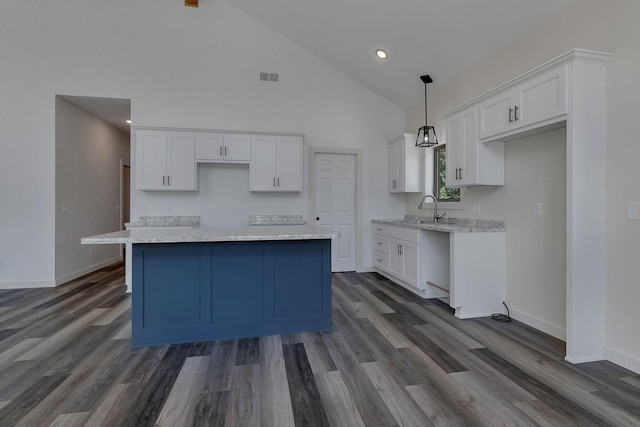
column 515, row 113
column 162, row 179
column 278, row 181
column 510, row 111
column 168, row 178
column 274, row 181
column 225, row 151
column 221, row 151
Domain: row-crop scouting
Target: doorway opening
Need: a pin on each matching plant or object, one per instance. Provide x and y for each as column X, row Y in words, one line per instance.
column 92, row 145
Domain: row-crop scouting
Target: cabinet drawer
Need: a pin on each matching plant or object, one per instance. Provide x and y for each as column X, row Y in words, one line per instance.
column 380, row 244
column 380, row 260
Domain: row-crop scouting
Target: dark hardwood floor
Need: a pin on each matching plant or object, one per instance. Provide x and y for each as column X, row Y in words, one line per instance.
column 392, row 359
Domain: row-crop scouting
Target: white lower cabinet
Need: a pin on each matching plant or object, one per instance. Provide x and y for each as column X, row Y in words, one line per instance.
column 466, row 270
column 398, row 254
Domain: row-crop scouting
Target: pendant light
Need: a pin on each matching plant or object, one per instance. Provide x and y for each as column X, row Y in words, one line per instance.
column 426, row 134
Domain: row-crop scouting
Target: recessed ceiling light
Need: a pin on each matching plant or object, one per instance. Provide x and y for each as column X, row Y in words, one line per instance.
column 128, row 121
column 381, row 54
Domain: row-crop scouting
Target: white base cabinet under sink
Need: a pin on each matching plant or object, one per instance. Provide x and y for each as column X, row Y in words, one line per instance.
column 465, row 269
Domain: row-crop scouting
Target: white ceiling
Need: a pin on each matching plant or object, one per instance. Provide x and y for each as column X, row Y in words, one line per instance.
column 442, row 38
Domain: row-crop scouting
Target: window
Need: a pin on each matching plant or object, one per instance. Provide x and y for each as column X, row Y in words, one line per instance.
column 442, row 193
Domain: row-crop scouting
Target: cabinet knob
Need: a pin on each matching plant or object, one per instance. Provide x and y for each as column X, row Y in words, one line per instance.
column 317, row 218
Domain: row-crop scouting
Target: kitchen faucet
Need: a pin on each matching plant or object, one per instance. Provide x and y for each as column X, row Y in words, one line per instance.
column 436, row 217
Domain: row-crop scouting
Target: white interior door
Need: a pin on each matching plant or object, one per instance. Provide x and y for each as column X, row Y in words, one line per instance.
column 335, row 205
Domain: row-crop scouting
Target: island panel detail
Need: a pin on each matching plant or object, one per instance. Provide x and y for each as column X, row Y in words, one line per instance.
column 189, row 292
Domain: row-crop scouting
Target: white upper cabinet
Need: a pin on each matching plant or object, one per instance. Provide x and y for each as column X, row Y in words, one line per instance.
column 165, row 161
column 469, row 161
column 539, row 100
column 213, row 147
column 405, row 165
column 276, row 163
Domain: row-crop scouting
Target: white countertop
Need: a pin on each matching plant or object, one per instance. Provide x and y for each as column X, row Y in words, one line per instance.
column 191, row 235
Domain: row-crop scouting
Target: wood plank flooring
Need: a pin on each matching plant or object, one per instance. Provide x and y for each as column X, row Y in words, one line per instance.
column 392, row 359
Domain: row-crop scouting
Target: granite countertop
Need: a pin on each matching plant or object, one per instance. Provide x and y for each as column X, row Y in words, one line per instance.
column 280, row 219
column 450, row 225
column 166, row 221
column 191, row 235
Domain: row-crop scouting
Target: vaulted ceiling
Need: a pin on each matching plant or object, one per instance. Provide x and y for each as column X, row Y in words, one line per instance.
column 442, row 38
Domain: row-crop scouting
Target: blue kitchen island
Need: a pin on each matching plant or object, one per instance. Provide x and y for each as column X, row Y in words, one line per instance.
column 207, row 284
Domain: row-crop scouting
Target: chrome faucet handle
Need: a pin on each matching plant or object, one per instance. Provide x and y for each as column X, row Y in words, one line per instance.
column 439, row 217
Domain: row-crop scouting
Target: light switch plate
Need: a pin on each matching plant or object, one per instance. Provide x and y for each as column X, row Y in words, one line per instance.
column 633, row 210
column 537, row 209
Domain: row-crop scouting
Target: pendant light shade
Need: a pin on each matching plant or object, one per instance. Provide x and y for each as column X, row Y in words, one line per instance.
column 426, row 134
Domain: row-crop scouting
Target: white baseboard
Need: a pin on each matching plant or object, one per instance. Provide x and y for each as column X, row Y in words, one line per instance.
column 366, row 269
column 576, row 360
column 625, row 360
column 28, row 284
column 68, row 277
column 539, row 324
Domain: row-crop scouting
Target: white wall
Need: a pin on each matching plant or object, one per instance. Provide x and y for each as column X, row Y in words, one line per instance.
column 590, row 24
column 181, row 67
column 88, row 156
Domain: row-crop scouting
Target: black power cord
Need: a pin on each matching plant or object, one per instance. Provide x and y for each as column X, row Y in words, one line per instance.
column 502, row 317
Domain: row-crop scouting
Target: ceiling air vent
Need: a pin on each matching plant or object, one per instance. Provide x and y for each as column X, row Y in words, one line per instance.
column 268, row 77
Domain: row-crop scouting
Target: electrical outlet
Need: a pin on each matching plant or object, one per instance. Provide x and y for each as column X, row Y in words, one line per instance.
column 117, row 208
column 90, row 250
column 65, row 208
column 537, row 209
column 633, row 210
column 144, row 209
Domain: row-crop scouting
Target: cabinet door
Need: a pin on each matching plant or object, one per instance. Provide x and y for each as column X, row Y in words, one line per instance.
column 289, row 163
column 209, row 146
column 237, row 148
column 462, row 149
column 543, row 97
column 151, row 160
column 181, row 161
column 396, row 167
column 410, row 265
column 455, row 150
column 496, row 114
column 262, row 169
column 396, row 263
column 468, row 173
